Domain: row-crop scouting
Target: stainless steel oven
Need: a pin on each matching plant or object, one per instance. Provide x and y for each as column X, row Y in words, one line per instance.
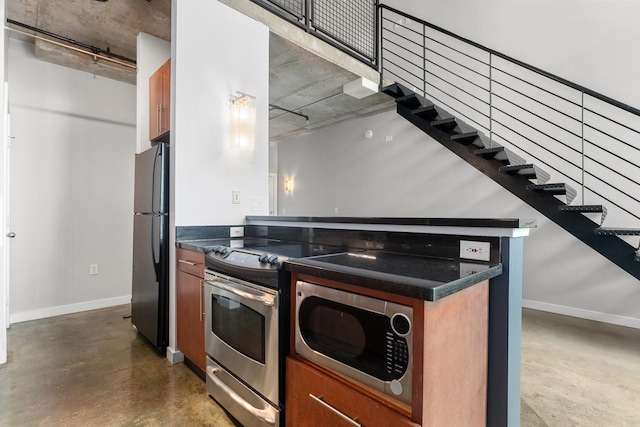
column 247, row 325
column 243, row 370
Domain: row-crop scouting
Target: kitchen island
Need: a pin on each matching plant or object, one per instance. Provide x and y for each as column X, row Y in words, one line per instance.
column 427, row 260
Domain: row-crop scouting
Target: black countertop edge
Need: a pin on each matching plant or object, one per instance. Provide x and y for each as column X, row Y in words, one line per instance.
column 439, row 222
column 411, row 287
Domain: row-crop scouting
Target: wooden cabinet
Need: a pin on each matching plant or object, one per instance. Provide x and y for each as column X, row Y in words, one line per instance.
column 449, row 377
column 190, row 309
column 159, row 103
column 316, row 399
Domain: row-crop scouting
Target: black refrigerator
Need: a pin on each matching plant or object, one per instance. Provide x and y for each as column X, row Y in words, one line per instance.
column 150, row 286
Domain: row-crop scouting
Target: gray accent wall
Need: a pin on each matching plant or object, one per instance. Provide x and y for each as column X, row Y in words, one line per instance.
column 338, row 171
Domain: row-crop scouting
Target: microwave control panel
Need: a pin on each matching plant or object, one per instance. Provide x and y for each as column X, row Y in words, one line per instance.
column 397, row 355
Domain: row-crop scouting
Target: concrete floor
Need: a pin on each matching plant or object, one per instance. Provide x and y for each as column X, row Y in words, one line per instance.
column 92, row 368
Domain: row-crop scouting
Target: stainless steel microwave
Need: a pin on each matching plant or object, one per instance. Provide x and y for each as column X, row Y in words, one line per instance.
column 366, row 339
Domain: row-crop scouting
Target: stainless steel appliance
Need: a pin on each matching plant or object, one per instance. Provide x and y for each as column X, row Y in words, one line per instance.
column 367, row 339
column 242, row 334
column 244, row 322
column 150, row 285
column 247, row 325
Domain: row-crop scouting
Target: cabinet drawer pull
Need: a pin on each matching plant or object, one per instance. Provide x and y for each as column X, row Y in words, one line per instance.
column 192, row 264
column 352, row 421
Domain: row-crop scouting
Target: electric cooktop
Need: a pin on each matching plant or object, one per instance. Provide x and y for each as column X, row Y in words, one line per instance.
column 257, row 259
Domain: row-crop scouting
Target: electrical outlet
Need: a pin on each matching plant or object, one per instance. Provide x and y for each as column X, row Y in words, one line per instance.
column 475, row 250
column 235, row 197
column 93, row 269
column 236, row 231
column 467, row 268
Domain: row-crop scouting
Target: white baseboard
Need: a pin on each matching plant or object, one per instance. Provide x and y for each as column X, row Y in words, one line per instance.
column 59, row 310
column 174, row 356
column 630, row 322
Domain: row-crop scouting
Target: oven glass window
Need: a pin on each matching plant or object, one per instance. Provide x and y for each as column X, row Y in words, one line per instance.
column 358, row 338
column 239, row 326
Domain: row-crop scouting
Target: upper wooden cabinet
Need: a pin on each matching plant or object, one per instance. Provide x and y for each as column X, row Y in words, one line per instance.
column 159, row 103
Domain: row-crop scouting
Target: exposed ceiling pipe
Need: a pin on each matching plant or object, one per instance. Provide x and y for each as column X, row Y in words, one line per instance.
column 95, row 52
column 275, row 107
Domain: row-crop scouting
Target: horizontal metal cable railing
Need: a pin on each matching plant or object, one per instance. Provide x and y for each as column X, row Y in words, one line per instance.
column 578, row 136
column 350, row 26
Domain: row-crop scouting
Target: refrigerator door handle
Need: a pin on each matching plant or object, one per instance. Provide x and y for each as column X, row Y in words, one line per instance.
column 154, row 254
column 153, row 182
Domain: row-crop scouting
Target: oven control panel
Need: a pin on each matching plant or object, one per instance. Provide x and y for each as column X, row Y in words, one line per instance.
column 244, row 257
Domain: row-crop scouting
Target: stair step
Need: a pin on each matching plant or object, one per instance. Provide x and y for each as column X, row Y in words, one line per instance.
column 488, row 153
column 555, row 189
column 428, row 113
column 497, row 153
column 395, row 90
column 465, row 138
column 410, row 101
column 445, row 124
column 608, row 231
column 526, row 170
column 584, row 208
column 587, row 209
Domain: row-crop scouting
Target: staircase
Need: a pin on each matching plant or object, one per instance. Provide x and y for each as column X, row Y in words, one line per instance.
column 525, row 180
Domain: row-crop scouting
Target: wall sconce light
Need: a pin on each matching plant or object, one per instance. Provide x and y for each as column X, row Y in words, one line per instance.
column 288, row 185
column 242, row 121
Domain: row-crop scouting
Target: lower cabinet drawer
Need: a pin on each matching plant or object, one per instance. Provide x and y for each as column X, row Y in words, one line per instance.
column 190, row 262
column 313, row 399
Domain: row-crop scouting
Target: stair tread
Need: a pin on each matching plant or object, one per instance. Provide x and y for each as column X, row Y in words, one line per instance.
column 546, row 186
column 395, row 90
column 583, row 208
column 555, row 189
column 499, row 153
column 611, row 231
column 472, row 134
column 405, row 97
column 515, row 168
column 443, row 121
column 491, row 150
column 426, row 108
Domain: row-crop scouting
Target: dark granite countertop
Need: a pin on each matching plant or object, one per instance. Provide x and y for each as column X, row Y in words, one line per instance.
column 440, row 222
column 420, row 277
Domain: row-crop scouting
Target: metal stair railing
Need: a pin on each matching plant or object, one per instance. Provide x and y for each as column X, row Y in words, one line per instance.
column 583, row 140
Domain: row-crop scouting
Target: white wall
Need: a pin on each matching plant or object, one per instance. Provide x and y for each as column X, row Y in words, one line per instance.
column 72, row 195
column 216, row 51
column 592, row 43
column 414, row 176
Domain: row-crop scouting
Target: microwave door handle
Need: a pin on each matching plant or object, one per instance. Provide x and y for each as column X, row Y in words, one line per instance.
column 352, row 421
column 265, row 415
column 267, row 300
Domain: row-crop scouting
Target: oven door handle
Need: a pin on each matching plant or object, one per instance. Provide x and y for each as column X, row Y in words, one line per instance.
column 266, row 299
column 266, row 415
